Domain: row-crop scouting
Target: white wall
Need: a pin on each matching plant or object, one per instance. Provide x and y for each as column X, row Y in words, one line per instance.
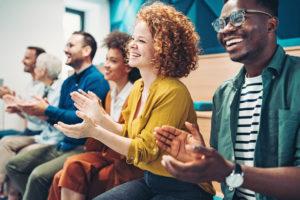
column 97, row 21
column 40, row 23
column 24, row 23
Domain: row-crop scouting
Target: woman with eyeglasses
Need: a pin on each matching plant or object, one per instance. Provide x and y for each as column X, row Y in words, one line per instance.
column 164, row 48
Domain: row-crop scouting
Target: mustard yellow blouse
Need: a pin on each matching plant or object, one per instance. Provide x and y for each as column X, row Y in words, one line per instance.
column 169, row 103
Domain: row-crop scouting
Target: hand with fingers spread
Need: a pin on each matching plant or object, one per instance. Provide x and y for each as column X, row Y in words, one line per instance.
column 4, row 90
column 12, row 109
column 10, row 100
column 36, row 107
column 80, row 130
column 206, row 165
column 11, row 103
column 173, row 140
column 189, row 159
column 90, row 104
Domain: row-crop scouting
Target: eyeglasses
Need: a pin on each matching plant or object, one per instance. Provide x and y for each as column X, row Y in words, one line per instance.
column 236, row 18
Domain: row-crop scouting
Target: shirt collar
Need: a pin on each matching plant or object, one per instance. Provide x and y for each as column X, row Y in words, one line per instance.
column 274, row 67
column 78, row 76
column 153, row 84
column 56, row 83
column 123, row 93
column 277, row 62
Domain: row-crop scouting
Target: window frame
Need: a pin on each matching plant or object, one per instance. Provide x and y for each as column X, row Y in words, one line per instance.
column 81, row 15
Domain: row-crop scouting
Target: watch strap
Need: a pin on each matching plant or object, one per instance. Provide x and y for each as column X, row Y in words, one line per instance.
column 237, row 168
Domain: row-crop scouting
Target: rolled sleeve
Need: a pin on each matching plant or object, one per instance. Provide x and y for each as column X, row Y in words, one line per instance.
column 165, row 111
column 139, row 150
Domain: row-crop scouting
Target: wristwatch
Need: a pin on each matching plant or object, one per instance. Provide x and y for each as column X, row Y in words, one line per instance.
column 236, row 178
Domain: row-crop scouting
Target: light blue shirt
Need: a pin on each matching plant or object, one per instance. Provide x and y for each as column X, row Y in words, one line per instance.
column 49, row 134
column 33, row 88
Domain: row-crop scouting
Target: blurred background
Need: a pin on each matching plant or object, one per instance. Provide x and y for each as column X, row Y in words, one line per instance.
column 49, row 23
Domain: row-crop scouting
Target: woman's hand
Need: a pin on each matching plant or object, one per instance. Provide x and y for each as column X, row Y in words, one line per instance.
column 90, row 104
column 81, row 130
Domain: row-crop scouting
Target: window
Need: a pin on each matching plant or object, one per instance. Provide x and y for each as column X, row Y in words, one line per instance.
column 73, row 21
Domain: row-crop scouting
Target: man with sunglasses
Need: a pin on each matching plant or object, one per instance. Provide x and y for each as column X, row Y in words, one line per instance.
column 256, row 115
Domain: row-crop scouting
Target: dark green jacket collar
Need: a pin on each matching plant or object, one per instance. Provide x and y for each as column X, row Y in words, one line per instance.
column 274, row 68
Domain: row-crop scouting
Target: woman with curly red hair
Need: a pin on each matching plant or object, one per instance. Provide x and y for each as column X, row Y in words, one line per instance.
column 164, row 48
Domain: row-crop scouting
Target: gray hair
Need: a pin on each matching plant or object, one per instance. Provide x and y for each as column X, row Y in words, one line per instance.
column 51, row 63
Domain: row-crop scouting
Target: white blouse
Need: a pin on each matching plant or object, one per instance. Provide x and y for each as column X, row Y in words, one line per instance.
column 118, row 100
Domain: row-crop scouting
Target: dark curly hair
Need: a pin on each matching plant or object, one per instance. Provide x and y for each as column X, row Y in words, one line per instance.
column 120, row 40
column 175, row 39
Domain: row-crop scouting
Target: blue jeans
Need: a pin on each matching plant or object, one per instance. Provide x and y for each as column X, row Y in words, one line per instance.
column 27, row 132
column 154, row 187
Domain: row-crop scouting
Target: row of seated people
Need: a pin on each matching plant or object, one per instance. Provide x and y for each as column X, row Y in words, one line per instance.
column 114, row 169
column 164, row 47
column 88, row 174
column 40, row 155
column 51, row 103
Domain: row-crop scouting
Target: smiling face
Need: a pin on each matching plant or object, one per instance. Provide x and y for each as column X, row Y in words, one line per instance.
column 74, row 51
column 141, row 49
column 29, row 60
column 248, row 41
column 115, row 68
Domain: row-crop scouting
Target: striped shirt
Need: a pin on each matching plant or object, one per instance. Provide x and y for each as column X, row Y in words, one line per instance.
column 248, row 127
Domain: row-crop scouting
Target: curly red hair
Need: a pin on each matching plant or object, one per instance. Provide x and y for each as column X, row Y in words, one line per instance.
column 175, row 39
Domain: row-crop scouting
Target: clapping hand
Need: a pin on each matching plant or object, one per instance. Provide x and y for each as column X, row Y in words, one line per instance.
column 4, row 90
column 11, row 103
column 189, row 159
column 36, row 107
column 90, row 104
column 173, row 140
column 80, row 130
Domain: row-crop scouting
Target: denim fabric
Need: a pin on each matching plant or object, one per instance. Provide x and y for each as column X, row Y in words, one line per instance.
column 27, row 132
column 10, row 132
column 155, row 187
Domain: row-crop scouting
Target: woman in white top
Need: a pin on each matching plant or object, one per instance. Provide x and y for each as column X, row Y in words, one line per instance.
column 78, row 180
